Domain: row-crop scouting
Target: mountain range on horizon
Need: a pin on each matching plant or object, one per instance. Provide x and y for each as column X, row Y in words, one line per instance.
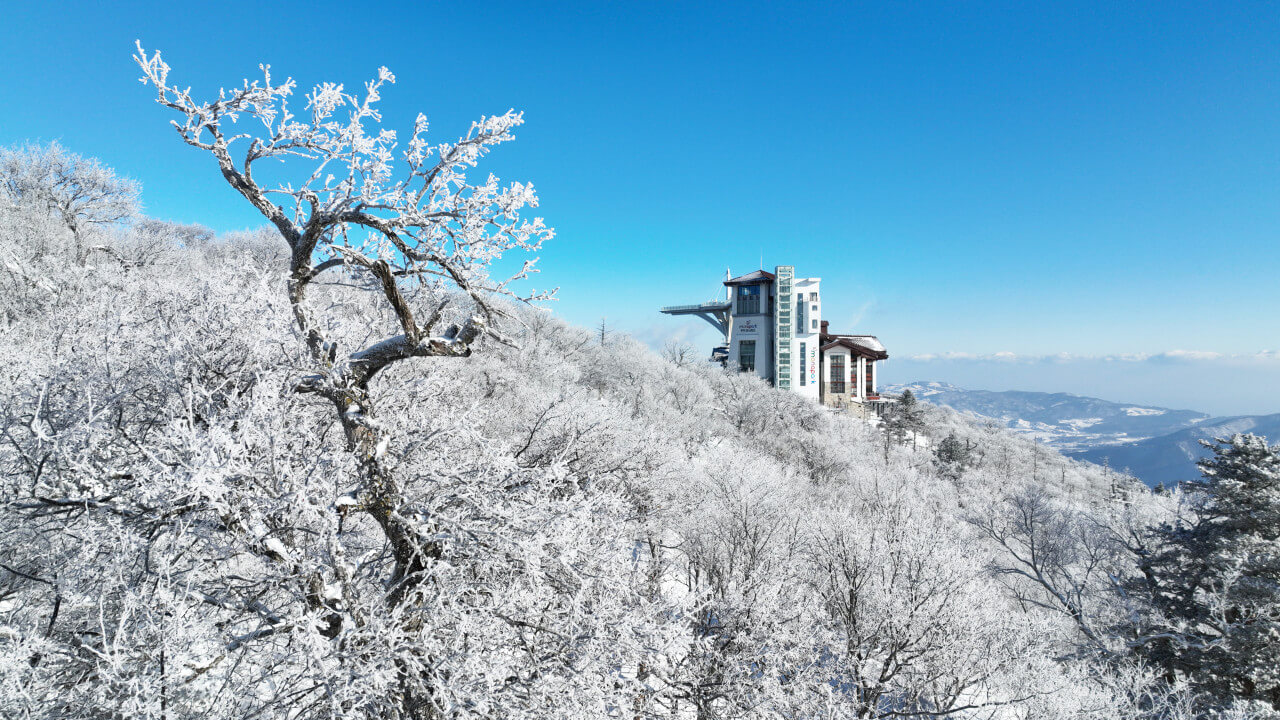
column 1157, row 445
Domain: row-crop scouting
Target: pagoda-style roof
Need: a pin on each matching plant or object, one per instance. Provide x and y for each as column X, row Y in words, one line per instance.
column 752, row 278
column 865, row 345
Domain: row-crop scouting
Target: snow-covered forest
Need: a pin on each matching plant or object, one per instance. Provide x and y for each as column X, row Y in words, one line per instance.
column 341, row 467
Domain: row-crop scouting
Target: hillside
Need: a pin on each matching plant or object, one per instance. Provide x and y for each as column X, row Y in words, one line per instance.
column 554, row 473
column 223, row 498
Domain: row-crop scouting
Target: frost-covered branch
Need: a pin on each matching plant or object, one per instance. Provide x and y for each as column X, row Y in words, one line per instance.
column 421, row 219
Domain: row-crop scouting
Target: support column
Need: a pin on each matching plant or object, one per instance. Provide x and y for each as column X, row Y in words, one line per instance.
column 862, row 373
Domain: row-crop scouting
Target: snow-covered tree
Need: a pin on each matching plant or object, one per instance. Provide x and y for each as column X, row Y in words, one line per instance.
column 952, row 457
column 1059, row 558
column 904, row 418
column 554, row 527
column 1214, row 577
column 913, row 628
column 81, row 192
column 351, row 208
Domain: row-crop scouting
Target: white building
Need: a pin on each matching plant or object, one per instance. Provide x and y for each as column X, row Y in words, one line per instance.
column 772, row 325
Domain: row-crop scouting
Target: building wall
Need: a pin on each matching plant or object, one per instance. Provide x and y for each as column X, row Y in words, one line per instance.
column 834, row 399
column 798, row 343
column 854, row 374
column 757, row 329
column 786, row 339
column 808, row 322
column 754, row 327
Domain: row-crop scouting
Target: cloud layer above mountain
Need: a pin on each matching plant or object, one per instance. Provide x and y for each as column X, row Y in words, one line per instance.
column 1211, row 382
column 1167, row 357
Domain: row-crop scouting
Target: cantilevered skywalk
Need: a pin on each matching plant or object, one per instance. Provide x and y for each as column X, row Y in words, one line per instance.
column 715, row 312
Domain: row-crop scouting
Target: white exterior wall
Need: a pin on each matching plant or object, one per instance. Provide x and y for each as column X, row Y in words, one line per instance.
column 808, row 335
column 763, row 330
column 859, row 373
column 754, row 327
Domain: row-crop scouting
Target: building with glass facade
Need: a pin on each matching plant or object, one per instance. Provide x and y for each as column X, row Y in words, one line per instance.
column 773, row 327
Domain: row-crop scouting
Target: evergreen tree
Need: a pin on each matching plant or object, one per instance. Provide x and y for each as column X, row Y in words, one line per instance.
column 904, row 418
column 1214, row 578
column 952, row 457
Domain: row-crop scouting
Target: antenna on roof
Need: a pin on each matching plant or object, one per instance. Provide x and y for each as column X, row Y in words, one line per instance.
column 762, row 258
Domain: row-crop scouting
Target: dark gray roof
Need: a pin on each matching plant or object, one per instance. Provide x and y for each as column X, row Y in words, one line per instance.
column 752, row 277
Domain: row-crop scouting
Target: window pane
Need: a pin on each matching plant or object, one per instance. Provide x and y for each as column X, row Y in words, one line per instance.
column 837, row 373
column 747, row 355
column 748, row 299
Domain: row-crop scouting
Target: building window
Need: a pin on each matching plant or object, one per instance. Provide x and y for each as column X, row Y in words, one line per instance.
column 748, row 299
column 800, row 314
column 747, row 355
column 837, row 374
column 803, row 360
column 813, row 296
column 815, row 323
column 870, row 388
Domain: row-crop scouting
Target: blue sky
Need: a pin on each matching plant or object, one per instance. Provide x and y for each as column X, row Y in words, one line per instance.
column 1080, row 182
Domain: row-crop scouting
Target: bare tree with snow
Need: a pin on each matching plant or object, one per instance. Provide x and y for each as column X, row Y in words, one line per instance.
column 396, row 214
column 81, row 192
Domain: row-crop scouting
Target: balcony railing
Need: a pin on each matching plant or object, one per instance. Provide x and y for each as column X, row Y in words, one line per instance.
column 701, row 307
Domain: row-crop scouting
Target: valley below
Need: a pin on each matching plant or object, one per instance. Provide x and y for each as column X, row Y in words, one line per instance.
column 1157, row 445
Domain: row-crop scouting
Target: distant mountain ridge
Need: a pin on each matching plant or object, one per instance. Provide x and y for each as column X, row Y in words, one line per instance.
column 1154, row 444
column 1065, row 421
column 1170, row 459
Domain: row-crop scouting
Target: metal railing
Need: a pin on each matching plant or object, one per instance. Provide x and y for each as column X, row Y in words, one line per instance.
column 703, row 307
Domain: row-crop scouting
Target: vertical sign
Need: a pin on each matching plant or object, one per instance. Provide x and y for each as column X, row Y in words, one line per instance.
column 782, row 324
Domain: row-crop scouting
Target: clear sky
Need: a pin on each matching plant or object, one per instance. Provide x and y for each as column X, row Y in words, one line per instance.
column 1082, row 181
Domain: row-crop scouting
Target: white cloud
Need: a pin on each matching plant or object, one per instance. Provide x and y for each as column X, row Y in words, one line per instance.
column 1167, row 357
column 1188, row 355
